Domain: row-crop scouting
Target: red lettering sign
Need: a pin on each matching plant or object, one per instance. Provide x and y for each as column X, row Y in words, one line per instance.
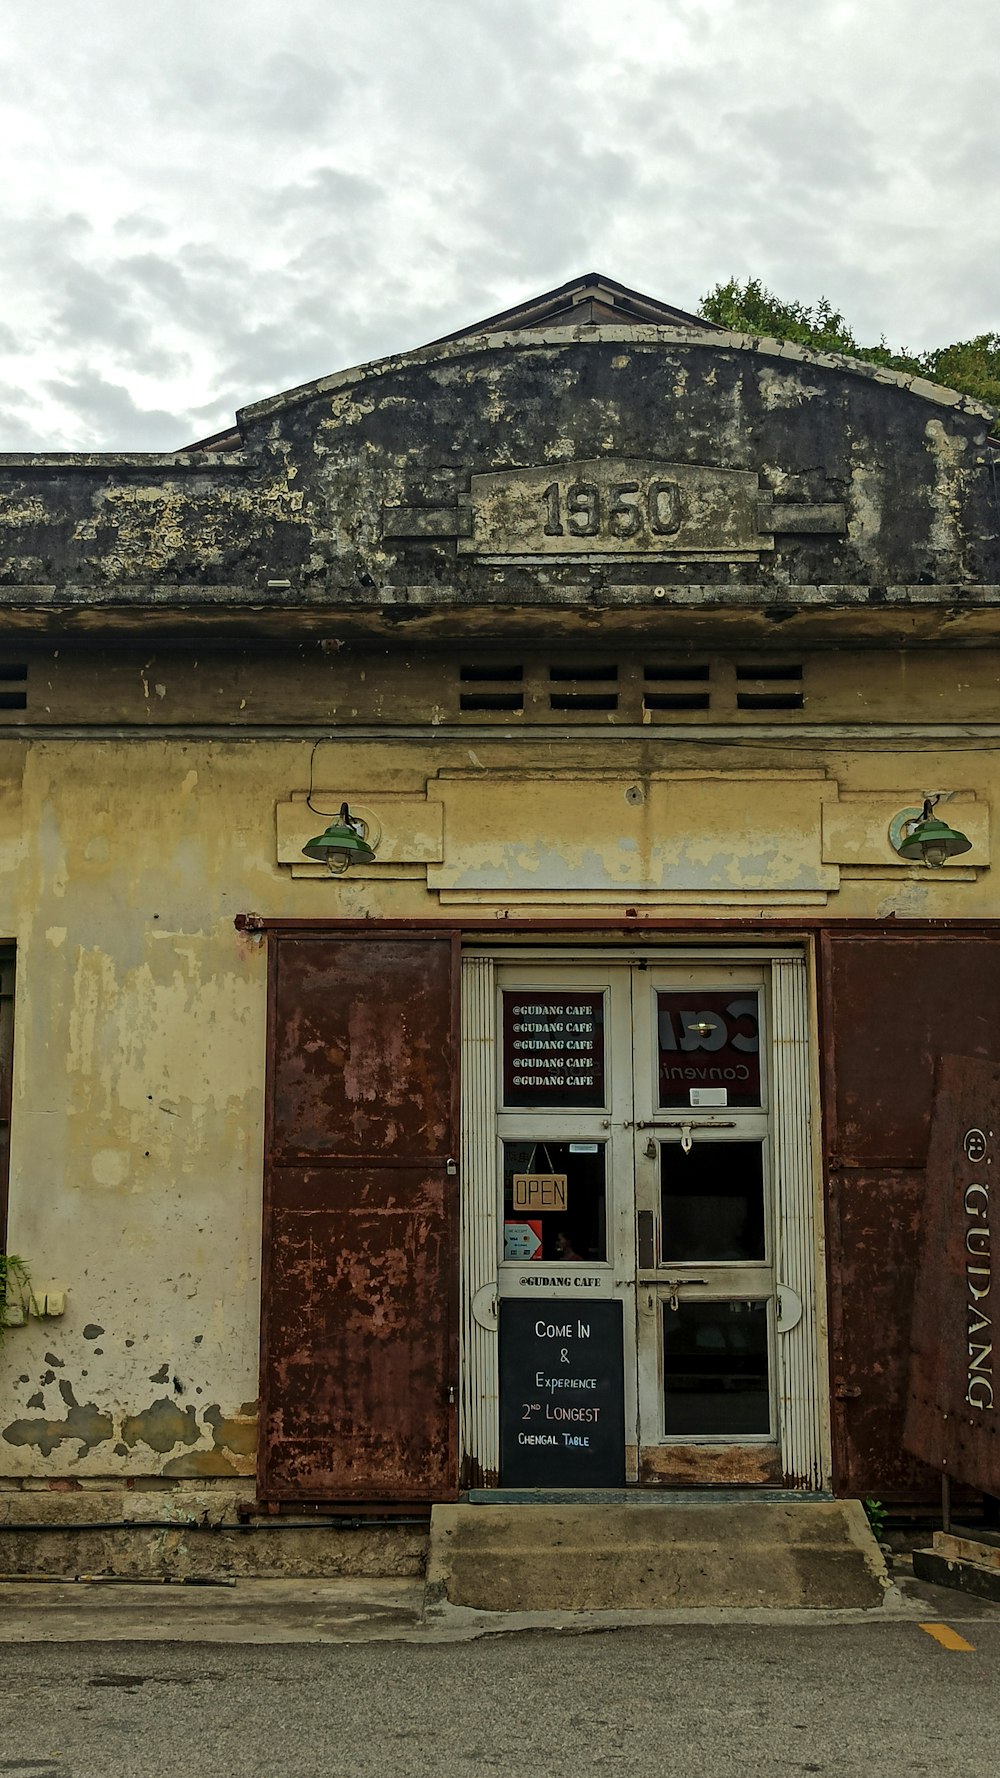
column 709, row 1041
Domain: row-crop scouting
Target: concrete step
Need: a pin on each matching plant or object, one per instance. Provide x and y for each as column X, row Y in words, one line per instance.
column 966, row 1545
column 967, row 1560
column 591, row 1557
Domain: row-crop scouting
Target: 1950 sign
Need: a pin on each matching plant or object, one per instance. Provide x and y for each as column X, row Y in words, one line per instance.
column 614, row 505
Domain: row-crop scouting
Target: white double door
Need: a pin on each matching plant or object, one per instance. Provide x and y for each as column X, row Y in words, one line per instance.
column 637, row 1161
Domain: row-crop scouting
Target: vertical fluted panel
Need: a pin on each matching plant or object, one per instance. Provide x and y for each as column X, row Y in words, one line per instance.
column 480, row 1232
column 798, row 1349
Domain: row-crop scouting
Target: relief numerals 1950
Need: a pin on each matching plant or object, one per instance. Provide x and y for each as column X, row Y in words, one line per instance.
column 621, row 509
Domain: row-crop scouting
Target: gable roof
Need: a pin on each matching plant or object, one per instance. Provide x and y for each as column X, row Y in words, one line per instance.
column 590, row 301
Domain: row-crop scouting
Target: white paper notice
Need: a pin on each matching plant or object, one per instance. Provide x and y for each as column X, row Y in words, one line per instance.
column 709, row 1096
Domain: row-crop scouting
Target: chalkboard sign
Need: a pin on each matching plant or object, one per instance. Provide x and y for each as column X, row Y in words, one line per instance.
column 562, row 1404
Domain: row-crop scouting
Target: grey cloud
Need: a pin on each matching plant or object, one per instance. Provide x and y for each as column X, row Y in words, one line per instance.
column 203, row 292
column 106, row 411
column 283, row 95
column 142, row 224
column 92, row 306
column 18, row 430
column 300, row 189
column 817, row 147
column 277, row 356
column 327, row 189
column 296, row 96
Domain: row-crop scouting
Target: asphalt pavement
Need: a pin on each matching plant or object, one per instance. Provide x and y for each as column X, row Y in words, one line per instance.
column 883, row 1699
column 315, row 1680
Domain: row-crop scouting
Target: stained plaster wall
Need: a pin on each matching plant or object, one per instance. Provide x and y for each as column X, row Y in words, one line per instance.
column 140, row 1040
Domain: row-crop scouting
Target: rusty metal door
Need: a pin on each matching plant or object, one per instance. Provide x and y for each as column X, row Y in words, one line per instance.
column 892, row 1005
column 359, row 1320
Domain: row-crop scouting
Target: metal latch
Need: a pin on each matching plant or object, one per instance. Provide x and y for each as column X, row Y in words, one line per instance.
column 685, row 1125
column 676, row 1284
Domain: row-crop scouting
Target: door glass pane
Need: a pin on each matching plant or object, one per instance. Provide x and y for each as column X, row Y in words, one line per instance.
column 708, row 1047
column 712, row 1202
column 554, row 1201
column 715, row 1370
column 553, row 1048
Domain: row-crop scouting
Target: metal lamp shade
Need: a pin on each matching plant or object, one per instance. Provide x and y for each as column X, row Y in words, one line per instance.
column 340, row 845
column 932, row 841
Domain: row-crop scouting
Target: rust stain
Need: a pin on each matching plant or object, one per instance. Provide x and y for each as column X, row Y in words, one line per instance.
column 361, row 1241
column 892, row 1005
column 694, row 1466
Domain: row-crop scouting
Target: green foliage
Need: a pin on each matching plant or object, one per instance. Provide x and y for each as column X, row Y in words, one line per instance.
column 15, row 1284
column 876, row 1518
column 970, row 366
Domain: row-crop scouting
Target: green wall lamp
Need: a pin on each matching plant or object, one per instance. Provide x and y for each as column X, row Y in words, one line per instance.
column 343, row 843
column 921, row 838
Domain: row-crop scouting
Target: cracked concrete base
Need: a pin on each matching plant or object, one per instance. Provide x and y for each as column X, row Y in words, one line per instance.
column 812, row 1554
column 272, row 1612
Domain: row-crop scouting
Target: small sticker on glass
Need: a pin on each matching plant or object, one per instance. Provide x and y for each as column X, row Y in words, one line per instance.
column 709, row 1096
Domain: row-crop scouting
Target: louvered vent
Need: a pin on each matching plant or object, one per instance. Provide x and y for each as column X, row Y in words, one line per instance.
column 769, row 687
column 583, row 688
column 491, row 688
column 13, row 692
column 682, row 685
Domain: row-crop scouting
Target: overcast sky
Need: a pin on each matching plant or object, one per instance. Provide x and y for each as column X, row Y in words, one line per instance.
column 208, row 201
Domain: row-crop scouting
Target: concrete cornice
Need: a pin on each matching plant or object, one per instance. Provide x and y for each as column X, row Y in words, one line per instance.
column 157, row 463
column 644, row 338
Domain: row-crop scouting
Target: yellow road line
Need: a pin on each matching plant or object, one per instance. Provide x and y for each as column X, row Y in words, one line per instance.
column 949, row 1638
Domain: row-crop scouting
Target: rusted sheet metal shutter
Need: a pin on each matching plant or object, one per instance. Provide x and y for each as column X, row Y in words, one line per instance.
column 953, row 1416
column 891, row 1005
column 359, row 1317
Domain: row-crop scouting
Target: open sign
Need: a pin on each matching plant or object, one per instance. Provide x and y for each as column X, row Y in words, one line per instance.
column 540, row 1191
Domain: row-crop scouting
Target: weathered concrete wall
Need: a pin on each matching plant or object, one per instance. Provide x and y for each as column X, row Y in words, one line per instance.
column 316, row 493
column 168, row 1529
column 140, row 1033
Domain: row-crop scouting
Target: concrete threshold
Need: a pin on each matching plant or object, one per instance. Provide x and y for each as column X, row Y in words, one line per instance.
column 747, row 1554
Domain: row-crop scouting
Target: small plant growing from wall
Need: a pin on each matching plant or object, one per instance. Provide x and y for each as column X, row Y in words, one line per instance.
column 15, row 1291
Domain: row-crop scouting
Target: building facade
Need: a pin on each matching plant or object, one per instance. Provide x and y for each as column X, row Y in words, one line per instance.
column 577, row 1137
